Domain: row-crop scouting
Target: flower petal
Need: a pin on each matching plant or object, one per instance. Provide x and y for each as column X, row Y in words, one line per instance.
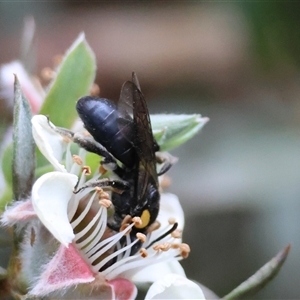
column 123, row 289
column 32, row 90
column 51, row 194
column 157, row 271
column 67, row 268
column 51, row 144
column 174, row 286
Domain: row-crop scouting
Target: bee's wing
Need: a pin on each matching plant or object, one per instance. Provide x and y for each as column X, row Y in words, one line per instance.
column 145, row 144
column 132, row 100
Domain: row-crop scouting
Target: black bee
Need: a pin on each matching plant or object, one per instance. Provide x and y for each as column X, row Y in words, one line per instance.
column 122, row 133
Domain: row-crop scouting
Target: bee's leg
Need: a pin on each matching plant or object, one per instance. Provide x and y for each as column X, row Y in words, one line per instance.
column 66, row 133
column 166, row 160
column 118, row 186
column 89, row 144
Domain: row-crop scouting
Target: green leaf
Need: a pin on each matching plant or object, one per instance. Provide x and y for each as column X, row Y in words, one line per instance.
column 74, row 79
column 170, row 131
column 23, row 146
column 263, row 276
column 6, row 197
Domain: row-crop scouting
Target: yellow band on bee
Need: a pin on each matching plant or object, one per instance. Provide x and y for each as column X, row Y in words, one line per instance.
column 145, row 217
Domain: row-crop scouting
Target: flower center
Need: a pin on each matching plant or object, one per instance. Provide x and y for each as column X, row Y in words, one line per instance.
column 110, row 252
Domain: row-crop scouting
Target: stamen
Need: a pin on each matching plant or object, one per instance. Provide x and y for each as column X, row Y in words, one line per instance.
column 84, row 213
column 87, row 170
column 137, row 221
column 165, row 181
column 176, row 245
column 57, row 59
column 66, row 139
column 69, row 160
column 162, row 247
column 91, row 241
column 114, row 239
column 109, row 242
column 176, row 234
column 102, row 170
column 174, row 227
column 185, row 250
column 143, row 252
column 105, row 202
column 124, row 226
column 101, row 194
column 77, row 159
column 89, row 226
column 95, row 90
column 154, row 226
column 128, row 251
column 141, row 237
column 47, row 74
column 172, row 221
column 133, row 262
column 127, row 220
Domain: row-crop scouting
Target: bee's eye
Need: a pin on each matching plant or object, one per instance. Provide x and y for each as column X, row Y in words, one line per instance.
column 145, row 217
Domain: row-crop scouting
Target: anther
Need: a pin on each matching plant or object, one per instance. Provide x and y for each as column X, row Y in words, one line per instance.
column 137, row 221
column 101, row 194
column 176, row 246
column 95, row 90
column 141, row 237
column 105, row 202
column 77, row 159
column 127, row 220
column 165, row 182
column 143, row 252
column 87, row 170
column 184, row 250
column 165, row 246
column 176, row 234
column 57, row 59
column 47, row 73
column 154, row 226
column 102, row 170
column 66, row 139
column 162, row 247
column 123, row 227
column 98, row 189
column 172, row 221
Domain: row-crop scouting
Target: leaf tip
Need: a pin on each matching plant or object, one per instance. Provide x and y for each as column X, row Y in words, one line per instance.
column 282, row 255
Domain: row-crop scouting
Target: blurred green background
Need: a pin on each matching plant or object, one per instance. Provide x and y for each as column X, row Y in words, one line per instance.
column 235, row 62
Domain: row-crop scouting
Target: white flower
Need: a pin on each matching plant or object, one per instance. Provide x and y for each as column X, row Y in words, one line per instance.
column 87, row 250
column 31, row 88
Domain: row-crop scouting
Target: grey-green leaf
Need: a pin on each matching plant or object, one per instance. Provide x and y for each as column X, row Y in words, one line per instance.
column 74, row 79
column 263, row 276
column 170, row 131
column 23, row 165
